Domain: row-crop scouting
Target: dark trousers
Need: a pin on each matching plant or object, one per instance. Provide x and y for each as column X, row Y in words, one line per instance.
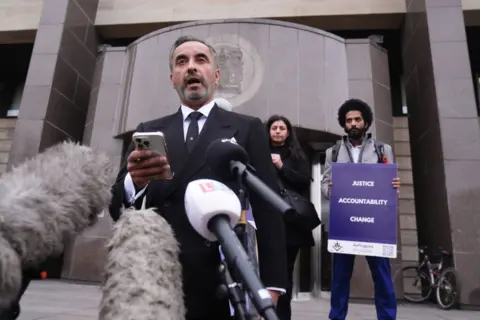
column 14, row 311
column 385, row 299
column 284, row 310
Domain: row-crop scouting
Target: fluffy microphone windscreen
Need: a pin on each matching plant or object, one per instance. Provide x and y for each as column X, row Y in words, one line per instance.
column 57, row 193
column 10, row 275
column 219, row 154
column 143, row 274
column 45, row 200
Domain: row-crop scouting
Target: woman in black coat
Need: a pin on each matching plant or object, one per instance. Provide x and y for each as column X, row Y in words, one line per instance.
column 293, row 170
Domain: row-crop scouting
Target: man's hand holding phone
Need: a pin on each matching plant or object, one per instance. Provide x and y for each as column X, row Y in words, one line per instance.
column 145, row 165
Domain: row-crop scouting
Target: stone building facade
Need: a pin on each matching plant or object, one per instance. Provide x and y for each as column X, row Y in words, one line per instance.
column 98, row 67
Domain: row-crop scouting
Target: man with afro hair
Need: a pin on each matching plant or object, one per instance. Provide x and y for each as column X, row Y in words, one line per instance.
column 358, row 146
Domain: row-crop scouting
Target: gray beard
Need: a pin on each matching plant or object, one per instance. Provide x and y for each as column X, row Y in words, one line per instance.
column 192, row 96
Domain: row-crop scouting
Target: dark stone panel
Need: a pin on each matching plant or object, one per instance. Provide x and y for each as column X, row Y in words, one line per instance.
column 76, row 21
column 65, row 79
column 77, row 55
column 82, row 94
column 93, row 101
column 52, row 135
column 89, row 7
column 444, row 133
column 67, row 117
column 92, row 39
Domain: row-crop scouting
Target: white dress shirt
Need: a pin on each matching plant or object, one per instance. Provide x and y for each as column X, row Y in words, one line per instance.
column 356, row 153
column 130, row 193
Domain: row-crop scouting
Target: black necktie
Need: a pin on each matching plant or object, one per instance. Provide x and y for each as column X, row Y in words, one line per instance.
column 192, row 132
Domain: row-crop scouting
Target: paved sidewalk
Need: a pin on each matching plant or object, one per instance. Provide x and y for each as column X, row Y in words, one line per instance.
column 55, row 300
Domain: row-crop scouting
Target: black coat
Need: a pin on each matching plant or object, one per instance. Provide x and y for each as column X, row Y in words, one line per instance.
column 295, row 175
column 200, row 259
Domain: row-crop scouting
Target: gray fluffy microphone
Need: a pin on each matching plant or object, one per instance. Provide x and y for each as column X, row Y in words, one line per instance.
column 143, row 274
column 55, row 194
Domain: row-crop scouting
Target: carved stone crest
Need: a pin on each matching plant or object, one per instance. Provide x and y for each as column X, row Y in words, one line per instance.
column 230, row 63
column 241, row 68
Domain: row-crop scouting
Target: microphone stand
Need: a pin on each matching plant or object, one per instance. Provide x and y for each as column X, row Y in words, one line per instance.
column 265, row 308
column 234, row 288
column 235, row 293
column 237, row 260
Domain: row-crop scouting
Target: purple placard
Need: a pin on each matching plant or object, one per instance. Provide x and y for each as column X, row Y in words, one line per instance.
column 363, row 210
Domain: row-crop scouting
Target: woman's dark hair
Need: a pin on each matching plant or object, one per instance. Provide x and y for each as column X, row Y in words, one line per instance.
column 292, row 144
column 355, row 105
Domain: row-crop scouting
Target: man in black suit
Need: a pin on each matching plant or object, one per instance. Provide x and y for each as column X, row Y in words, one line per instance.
column 188, row 132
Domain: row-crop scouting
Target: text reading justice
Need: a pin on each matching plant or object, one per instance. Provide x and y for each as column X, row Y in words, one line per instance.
column 360, row 183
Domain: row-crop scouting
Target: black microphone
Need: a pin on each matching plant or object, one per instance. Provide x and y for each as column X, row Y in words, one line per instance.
column 229, row 161
column 54, row 195
column 143, row 274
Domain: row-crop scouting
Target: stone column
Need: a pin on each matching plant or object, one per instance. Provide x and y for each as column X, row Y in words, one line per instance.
column 408, row 238
column 85, row 255
column 7, row 127
column 444, row 135
column 57, row 88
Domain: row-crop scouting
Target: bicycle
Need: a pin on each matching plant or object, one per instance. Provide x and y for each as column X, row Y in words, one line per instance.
column 430, row 277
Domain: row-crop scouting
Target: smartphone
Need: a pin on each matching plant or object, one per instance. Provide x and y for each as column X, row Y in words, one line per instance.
column 154, row 141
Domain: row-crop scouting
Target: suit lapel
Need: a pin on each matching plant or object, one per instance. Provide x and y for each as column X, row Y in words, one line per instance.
column 177, row 152
column 217, row 126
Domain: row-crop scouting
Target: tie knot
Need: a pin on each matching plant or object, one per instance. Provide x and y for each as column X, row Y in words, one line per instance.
column 195, row 115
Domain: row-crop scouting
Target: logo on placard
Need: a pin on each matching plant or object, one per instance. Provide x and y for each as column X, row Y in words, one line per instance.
column 388, row 251
column 337, row 246
column 241, row 68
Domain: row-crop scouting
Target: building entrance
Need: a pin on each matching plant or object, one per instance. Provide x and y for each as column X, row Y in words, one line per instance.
column 312, row 273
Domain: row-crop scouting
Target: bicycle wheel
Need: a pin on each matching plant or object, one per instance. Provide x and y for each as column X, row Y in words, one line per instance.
column 447, row 289
column 416, row 284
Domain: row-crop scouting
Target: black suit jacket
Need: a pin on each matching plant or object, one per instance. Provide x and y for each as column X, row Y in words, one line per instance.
column 295, row 175
column 199, row 258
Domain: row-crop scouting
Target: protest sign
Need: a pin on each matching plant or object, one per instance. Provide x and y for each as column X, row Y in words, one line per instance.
column 363, row 210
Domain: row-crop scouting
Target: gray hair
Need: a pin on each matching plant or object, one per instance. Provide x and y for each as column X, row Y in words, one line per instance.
column 184, row 39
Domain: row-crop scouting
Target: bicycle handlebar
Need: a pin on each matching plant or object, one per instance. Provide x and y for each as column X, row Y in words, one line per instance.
column 424, row 250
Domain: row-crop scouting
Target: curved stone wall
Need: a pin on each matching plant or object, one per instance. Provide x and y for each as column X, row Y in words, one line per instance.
column 266, row 67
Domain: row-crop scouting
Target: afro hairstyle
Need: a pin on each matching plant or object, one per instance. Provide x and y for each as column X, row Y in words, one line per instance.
column 355, row 105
